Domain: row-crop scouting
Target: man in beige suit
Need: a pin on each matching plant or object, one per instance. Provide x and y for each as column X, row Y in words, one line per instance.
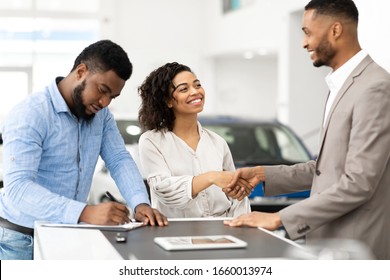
column 350, row 180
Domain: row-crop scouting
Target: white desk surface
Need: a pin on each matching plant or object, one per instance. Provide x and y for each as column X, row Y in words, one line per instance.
column 70, row 244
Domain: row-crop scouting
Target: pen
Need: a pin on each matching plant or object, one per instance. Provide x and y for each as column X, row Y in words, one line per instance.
column 111, row 197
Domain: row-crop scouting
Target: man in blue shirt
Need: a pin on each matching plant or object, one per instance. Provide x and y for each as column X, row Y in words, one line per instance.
column 52, row 141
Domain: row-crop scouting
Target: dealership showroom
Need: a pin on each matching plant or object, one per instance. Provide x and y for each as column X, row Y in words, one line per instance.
column 291, row 100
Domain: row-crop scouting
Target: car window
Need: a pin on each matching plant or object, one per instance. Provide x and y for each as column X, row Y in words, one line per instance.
column 224, row 131
column 261, row 144
column 290, row 148
column 250, row 143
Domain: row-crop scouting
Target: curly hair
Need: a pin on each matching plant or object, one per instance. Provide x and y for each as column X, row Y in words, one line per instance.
column 104, row 56
column 340, row 8
column 155, row 92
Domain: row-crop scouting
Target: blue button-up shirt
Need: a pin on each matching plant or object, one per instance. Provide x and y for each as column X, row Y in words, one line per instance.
column 49, row 157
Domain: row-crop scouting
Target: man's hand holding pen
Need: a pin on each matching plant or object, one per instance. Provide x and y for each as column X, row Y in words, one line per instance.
column 108, row 213
column 115, row 212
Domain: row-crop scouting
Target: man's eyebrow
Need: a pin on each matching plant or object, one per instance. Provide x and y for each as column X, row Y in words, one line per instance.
column 109, row 91
column 106, row 88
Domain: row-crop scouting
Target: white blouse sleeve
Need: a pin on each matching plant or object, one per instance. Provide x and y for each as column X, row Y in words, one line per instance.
column 175, row 191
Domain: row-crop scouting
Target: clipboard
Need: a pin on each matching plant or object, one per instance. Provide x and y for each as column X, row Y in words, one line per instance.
column 124, row 227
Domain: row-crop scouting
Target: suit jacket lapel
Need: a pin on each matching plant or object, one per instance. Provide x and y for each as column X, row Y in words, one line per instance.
column 322, row 130
column 356, row 72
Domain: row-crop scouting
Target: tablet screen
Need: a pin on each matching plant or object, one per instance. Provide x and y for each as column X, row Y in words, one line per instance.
column 199, row 242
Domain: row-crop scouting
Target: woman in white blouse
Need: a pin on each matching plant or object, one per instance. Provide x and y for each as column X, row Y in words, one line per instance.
column 186, row 165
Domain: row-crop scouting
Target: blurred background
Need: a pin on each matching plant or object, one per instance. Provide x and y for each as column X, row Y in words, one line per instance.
column 247, row 53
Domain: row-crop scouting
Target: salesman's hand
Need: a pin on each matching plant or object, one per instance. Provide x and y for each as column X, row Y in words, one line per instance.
column 241, row 190
column 147, row 215
column 270, row 221
column 108, row 213
column 252, row 175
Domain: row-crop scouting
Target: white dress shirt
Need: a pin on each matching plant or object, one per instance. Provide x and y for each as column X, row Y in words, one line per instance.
column 336, row 79
column 170, row 165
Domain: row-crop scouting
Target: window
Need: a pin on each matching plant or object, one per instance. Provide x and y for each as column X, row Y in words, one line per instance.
column 40, row 40
column 15, row 83
column 234, row 5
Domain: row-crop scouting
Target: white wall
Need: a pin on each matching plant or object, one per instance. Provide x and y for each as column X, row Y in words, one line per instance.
column 374, row 29
column 303, row 90
column 246, row 87
column 153, row 33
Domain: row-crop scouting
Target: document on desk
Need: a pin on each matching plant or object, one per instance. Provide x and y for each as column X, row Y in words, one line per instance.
column 124, row 227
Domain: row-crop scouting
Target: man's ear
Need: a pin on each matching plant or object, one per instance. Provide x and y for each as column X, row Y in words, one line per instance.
column 337, row 30
column 81, row 70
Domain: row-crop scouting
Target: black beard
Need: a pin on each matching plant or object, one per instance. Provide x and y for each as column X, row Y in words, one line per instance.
column 79, row 108
column 326, row 52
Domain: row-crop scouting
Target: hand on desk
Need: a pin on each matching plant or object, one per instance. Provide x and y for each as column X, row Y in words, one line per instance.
column 149, row 216
column 108, row 213
column 270, row 221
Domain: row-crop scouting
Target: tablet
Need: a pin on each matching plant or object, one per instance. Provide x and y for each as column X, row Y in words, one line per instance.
column 173, row 243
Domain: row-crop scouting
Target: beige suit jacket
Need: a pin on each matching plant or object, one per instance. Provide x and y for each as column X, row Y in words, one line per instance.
column 350, row 180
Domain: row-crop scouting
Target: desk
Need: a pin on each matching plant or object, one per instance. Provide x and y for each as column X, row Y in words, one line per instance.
column 67, row 243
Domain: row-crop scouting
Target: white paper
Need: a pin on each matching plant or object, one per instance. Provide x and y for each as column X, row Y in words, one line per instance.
column 124, row 227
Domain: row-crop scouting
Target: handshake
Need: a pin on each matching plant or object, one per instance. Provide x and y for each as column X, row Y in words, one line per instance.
column 241, row 183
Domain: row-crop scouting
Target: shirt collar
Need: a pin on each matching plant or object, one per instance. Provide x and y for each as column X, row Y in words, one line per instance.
column 59, row 103
column 335, row 79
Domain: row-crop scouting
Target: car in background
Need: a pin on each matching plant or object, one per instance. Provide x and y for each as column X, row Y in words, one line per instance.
column 252, row 142
column 255, row 142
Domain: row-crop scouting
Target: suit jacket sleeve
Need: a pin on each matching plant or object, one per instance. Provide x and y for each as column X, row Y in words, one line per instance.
column 282, row 179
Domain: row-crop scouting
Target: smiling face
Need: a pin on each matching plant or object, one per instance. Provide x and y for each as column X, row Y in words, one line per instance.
column 94, row 92
column 318, row 39
column 188, row 94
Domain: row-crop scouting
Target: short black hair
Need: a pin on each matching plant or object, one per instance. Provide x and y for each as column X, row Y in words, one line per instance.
column 103, row 56
column 340, row 8
column 155, row 93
